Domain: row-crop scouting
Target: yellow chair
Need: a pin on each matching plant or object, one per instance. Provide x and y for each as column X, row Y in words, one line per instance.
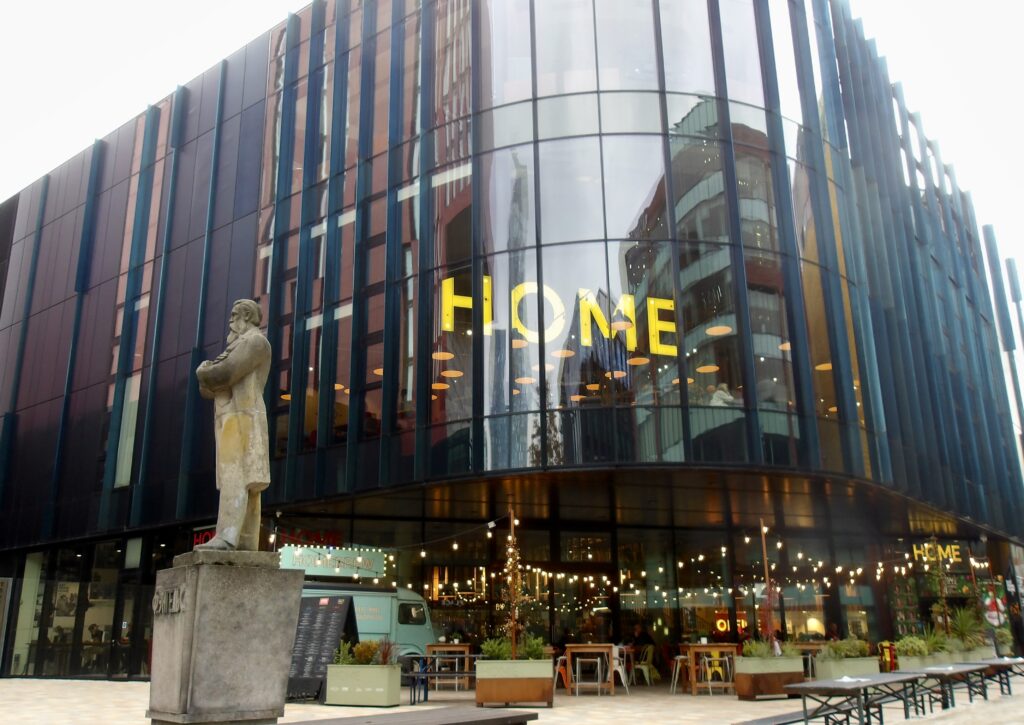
column 645, row 664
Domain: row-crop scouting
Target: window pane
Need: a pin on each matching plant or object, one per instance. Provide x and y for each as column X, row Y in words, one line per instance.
column 699, row 189
column 411, row 78
column 565, row 47
column 579, row 354
column 630, row 113
column 642, row 273
column 381, row 92
column 686, row 43
column 452, row 79
column 567, row 116
column 634, row 187
column 739, row 41
column 709, row 322
column 452, row 351
column 785, row 60
column 625, row 43
column 505, row 67
column 570, row 187
column 505, row 126
column 757, row 204
column 770, row 331
column 453, row 205
column 507, row 196
column 511, row 351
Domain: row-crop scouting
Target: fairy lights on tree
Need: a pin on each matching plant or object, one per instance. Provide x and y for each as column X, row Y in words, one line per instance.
column 512, row 595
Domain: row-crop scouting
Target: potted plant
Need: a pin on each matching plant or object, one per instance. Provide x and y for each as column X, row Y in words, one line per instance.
column 1004, row 642
column 501, row 679
column 849, row 657
column 760, row 672
column 365, row 674
column 912, row 653
column 969, row 634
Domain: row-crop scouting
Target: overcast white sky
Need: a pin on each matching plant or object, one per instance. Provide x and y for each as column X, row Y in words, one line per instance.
column 74, row 71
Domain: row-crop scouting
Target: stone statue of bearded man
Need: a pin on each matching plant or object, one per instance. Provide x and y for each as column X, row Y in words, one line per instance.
column 235, row 382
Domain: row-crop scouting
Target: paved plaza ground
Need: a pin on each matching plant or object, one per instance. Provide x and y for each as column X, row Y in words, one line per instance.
column 79, row 702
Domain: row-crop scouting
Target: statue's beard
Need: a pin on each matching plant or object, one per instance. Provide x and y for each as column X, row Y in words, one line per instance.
column 232, row 336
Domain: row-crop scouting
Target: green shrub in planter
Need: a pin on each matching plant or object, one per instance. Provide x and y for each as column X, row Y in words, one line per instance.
column 935, row 640
column 364, row 675
column 967, row 628
column 500, row 648
column 844, row 649
column 757, row 648
column 1004, row 641
column 911, row 646
column 849, row 657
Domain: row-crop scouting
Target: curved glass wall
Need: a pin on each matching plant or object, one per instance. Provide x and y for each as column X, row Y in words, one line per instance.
column 505, row 235
column 586, row 232
column 559, row 241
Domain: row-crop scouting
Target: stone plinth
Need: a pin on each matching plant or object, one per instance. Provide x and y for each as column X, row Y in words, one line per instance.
column 223, row 629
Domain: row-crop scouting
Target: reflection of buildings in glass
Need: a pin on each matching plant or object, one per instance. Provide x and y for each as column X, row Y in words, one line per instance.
column 680, row 541
column 591, row 381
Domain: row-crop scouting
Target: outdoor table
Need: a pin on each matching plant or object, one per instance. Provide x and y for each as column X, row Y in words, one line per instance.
column 607, row 650
column 949, row 676
column 857, row 696
column 424, row 669
column 808, row 650
column 1002, row 669
column 457, row 655
column 693, row 652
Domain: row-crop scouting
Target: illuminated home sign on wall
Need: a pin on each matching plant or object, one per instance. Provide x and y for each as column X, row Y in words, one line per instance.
column 660, row 315
column 931, row 551
column 328, row 561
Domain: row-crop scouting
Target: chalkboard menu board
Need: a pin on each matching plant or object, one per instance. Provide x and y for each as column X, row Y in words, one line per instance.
column 323, row 621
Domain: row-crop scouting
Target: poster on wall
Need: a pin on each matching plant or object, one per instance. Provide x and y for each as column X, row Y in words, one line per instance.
column 6, row 583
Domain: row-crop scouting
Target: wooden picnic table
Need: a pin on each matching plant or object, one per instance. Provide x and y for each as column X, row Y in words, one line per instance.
column 1002, row 669
column 857, row 696
column 607, row 650
column 693, row 652
column 455, row 654
column 947, row 677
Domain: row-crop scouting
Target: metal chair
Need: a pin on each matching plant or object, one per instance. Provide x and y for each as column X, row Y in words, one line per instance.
column 645, row 664
column 619, row 666
column 598, row 663
column 561, row 668
column 716, row 664
column 680, row 667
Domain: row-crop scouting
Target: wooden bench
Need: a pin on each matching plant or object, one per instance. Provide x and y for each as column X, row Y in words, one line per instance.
column 438, row 716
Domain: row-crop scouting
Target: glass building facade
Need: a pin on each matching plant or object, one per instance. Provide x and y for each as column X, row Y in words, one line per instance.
column 654, row 273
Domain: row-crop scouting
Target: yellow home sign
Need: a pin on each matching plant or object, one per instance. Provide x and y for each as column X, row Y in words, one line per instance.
column 590, row 314
column 931, row 551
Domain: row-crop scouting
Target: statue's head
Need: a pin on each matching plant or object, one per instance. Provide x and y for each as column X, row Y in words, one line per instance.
column 245, row 315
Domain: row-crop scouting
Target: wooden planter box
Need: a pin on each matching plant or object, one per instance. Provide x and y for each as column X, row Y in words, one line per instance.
column 847, row 667
column 756, row 676
column 506, row 681
column 364, row 685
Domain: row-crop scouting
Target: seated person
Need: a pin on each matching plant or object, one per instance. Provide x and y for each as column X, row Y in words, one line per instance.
column 641, row 637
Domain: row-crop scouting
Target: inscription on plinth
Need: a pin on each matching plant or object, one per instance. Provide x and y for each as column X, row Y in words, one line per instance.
column 222, row 638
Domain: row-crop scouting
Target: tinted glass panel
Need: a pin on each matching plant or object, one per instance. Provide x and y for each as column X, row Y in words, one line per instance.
column 565, row 47
column 625, row 45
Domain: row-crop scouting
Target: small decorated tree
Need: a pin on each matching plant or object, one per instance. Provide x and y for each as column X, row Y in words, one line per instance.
column 512, row 595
